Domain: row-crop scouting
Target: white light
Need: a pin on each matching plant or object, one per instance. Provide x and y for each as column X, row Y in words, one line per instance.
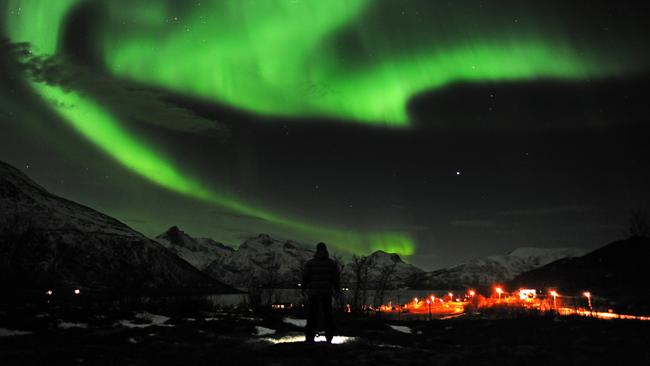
column 301, row 338
column 77, row 291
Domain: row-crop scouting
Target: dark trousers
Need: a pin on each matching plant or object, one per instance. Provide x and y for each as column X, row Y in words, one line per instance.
column 323, row 302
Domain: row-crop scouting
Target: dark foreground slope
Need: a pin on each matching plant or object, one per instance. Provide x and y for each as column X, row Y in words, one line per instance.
column 226, row 339
column 50, row 242
column 618, row 272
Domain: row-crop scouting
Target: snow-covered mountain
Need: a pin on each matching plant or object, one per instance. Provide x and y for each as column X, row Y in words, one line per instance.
column 48, row 241
column 199, row 252
column 487, row 271
column 264, row 261
column 401, row 273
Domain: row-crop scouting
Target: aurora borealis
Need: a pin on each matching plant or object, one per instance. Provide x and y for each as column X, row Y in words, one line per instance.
column 289, row 63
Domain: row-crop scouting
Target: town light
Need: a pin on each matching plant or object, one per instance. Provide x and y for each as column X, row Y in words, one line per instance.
column 587, row 294
column 49, row 292
column 433, row 298
column 472, row 293
column 554, row 294
column 77, row 291
column 499, row 292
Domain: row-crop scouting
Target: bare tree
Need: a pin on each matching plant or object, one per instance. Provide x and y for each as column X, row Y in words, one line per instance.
column 270, row 277
column 360, row 266
column 386, row 274
column 254, row 288
column 639, row 226
column 340, row 265
column 263, row 281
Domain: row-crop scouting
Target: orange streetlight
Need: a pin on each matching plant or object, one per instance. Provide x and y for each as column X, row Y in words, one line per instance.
column 587, row 294
column 554, row 294
column 472, row 293
column 499, row 292
column 451, row 296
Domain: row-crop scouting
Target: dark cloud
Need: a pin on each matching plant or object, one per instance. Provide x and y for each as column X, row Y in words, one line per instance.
column 542, row 211
column 474, row 224
column 127, row 100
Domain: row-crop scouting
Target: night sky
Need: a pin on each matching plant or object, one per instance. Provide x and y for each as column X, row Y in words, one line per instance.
column 441, row 130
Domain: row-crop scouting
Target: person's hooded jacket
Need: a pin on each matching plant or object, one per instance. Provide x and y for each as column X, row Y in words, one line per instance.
column 321, row 275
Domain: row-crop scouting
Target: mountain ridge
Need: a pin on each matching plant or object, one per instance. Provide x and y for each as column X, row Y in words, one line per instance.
column 50, row 241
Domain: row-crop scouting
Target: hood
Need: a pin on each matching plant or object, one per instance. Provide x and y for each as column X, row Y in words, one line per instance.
column 321, row 254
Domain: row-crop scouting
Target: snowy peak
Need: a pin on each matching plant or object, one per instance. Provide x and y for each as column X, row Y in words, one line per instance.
column 176, row 237
column 487, row 271
column 264, row 261
column 199, row 252
column 265, row 242
column 385, row 258
column 51, row 241
column 527, row 252
column 21, row 198
column 400, row 274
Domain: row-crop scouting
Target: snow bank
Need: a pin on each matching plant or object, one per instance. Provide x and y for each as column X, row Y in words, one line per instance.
column 301, row 323
column 154, row 319
column 69, row 325
column 10, row 332
column 401, row 328
column 262, row 331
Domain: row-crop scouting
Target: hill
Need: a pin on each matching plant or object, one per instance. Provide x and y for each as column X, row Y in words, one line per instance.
column 50, row 242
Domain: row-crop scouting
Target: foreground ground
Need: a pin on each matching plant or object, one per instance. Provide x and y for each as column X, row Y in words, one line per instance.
column 73, row 337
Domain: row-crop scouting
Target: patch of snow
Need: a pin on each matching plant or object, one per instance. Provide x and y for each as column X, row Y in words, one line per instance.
column 69, row 325
column 301, row 323
column 401, row 328
column 11, row 332
column 153, row 318
column 130, row 324
column 250, row 319
column 298, row 338
column 133, row 340
column 262, row 331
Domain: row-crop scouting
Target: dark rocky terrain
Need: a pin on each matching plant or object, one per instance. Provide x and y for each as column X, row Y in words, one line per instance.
column 228, row 338
column 47, row 242
column 616, row 274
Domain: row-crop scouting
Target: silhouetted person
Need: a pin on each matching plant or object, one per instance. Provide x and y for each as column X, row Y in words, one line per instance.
column 320, row 280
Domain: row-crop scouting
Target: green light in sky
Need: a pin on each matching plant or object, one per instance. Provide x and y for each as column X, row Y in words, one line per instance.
column 283, row 58
column 104, row 131
column 279, row 57
column 37, row 22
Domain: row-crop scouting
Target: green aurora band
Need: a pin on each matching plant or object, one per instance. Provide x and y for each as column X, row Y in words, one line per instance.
column 281, row 58
column 103, row 130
